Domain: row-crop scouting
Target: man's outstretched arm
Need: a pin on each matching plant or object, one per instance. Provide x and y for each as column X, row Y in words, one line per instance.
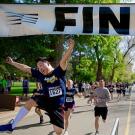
column 19, row 66
column 66, row 56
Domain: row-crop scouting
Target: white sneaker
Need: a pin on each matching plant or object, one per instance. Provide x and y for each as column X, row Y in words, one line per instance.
column 66, row 133
column 97, row 133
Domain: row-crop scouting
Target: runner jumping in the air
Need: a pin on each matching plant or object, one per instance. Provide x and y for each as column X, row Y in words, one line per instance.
column 53, row 97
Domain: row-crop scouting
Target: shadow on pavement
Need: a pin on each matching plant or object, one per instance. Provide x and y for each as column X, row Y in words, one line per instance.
column 5, row 110
column 33, row 125
column 51, row 133
column 89, row 133
column 82, row 111
column 82, row 106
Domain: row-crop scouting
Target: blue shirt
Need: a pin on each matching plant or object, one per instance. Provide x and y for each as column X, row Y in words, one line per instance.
column 25, row 83
column 53, row 84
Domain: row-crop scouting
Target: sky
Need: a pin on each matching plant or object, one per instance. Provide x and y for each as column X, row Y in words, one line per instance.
column 127, row 1
column 130, row 1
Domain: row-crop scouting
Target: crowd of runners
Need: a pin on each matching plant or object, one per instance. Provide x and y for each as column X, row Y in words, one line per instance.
column 120, row 88
column 55, row 94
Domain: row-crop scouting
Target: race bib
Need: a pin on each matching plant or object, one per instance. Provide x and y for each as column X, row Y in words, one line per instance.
column 55, row 91
column 69, row 99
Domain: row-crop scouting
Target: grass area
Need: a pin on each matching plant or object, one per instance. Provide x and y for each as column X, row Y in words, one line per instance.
column 17, row 89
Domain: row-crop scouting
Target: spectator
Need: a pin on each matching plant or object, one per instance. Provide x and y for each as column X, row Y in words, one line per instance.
column 1, row 92
column 4, row 84
column 25, row 85
column 9, row 84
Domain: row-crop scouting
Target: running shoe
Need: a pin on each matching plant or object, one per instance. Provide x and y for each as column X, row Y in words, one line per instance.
column 66, row 133
column 97, row 133
column 7, row 127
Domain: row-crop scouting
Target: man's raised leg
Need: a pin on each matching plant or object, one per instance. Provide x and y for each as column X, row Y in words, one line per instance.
column 21, row 114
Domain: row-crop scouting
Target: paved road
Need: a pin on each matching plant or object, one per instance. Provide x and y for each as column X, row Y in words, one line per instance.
column 82, row 121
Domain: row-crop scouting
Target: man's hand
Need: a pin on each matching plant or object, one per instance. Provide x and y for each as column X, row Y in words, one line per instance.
column 9, row 60
column 95, row 100
column 19, row 66
column 66, row 56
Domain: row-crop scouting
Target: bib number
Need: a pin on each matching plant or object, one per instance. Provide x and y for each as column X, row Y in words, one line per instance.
column 55, row 91
column 69, row 99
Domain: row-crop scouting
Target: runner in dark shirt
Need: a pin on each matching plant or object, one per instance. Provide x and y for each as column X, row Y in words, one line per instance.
column 53, row 96
column 69, row 103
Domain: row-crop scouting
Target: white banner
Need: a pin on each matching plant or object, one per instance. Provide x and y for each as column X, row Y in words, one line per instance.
column 22, row 20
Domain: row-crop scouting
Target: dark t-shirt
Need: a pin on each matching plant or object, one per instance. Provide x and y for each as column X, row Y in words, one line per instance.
column 53, row 84
column 25, row 83
column 70, row 95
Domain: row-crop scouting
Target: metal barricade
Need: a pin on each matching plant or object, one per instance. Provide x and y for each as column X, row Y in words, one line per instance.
column 115, row 127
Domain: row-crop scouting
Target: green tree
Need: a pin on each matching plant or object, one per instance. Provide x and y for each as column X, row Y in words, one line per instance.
column 100, row 50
